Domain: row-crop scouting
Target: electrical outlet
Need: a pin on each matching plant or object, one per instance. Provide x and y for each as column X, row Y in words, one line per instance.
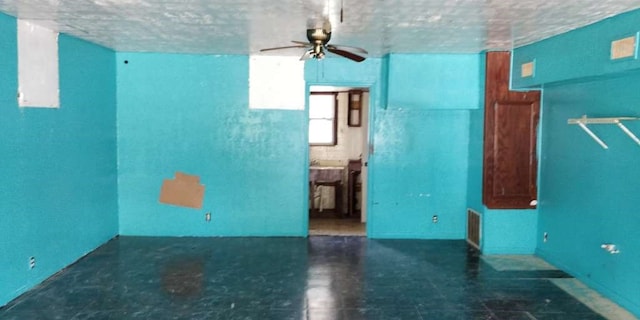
column 434, row 218
column 32, row 262
column 207, row 217
column 545, row 237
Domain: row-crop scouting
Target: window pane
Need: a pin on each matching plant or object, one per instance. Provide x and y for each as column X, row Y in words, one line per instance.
column 320, row 131
column 321, row 106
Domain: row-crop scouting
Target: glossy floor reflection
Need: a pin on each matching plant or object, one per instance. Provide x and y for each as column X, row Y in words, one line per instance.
column 294, row 278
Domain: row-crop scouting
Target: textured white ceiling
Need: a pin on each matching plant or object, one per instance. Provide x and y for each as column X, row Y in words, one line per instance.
column 380, row 26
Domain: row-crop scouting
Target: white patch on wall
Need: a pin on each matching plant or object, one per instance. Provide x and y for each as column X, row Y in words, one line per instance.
column 276, row 83
column 38, row 84
column 527, row 69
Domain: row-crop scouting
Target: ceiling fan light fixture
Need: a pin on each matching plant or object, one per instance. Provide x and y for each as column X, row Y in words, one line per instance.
column 317, row 44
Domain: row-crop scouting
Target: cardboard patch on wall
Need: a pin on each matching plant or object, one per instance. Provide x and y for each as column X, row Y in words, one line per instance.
column 184, row 190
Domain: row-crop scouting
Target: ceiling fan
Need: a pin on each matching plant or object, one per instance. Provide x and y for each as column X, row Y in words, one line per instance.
column 318, row 43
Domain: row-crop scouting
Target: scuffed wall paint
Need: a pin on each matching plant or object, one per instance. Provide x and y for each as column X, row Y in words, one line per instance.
column 588, row 195
column 58, row 196
column 191, row 113
column 434, row 81
column 421, row 171
column 581, row 53
column 509, row 231
column 419, row 165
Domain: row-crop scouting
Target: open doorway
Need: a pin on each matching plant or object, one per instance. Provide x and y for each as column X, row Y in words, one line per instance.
column 338, row 152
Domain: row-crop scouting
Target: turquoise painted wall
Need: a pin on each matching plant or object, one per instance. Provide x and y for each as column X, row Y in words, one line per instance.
column 420, row 171
column 176, row 114
column 578, row 54
column 190, row 113
column 371, row 74
column 502, row 231
column 476, row 144
column 588, row 194
column 509, row 231
column 58, row 196
column 435, row 81
column 346, row 72
column 419, row 165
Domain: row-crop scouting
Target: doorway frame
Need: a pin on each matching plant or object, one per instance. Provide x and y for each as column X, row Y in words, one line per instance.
column 374, row 103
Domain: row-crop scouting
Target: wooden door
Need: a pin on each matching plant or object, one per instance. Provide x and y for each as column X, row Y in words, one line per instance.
column 510, row 136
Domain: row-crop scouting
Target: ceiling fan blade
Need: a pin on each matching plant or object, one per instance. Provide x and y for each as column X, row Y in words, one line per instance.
column 347, row 48
column 346, row 54
column 306, row 56
column 304, row 43
column 280, row 48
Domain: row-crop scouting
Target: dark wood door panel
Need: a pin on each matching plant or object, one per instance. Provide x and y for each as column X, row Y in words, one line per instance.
column 512, row 176
column 511, row 120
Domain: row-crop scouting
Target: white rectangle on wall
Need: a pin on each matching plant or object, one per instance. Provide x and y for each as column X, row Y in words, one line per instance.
column 276, row 83
column 38, row 84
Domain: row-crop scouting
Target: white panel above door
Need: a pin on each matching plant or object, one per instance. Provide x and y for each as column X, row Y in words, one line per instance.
column 276, row 83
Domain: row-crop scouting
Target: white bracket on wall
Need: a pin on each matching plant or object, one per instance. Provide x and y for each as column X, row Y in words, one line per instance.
column 584, row 121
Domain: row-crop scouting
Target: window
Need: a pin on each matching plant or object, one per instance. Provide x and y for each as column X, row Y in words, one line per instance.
column 322, row 119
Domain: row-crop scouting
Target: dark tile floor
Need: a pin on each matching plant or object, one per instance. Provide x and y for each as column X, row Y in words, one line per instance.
column 293, row 278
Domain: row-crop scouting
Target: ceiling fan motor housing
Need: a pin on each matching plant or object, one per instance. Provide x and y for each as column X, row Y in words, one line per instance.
column 317, row 44
column 318, row 36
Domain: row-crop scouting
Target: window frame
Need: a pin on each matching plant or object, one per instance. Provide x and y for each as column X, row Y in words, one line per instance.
column 335, row 119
